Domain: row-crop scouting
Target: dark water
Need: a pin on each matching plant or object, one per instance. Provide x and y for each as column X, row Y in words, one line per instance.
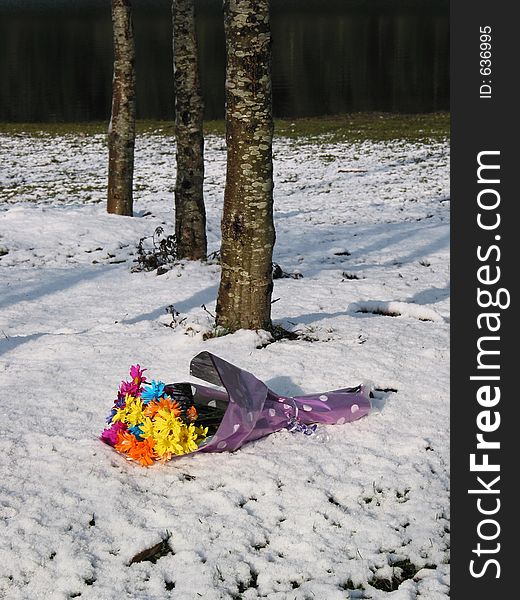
column 329, row 57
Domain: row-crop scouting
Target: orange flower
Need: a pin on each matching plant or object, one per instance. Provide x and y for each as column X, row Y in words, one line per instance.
column 143, row 452
column 125, row 442
column 192, row 413
column 154, row 407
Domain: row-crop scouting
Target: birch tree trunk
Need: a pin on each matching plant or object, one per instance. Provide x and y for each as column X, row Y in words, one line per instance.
column 190, row 215
column 244, row 298
column 121, row 132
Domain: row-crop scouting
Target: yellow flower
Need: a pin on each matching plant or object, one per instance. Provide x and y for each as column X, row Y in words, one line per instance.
column 146, row 428
column 167, row 444
column 120, row 416
column 123, row 413
column 202, row 432
column 188, row 438
column 134, row 408
column 166, row 422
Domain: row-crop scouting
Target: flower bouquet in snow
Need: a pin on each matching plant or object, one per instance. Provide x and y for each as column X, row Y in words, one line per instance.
column 153, row 421
column 149, row 423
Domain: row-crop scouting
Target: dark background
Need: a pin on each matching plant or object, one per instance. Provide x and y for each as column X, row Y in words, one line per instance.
column 329, row 57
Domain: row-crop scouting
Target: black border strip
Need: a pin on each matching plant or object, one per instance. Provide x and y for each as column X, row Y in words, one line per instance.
column 484, row 120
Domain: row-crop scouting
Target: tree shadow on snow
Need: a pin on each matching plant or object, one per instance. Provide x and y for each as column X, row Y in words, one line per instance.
column 52, row 285
column 404, row 242
column 430, row 296
column 10, row 343
column 182, row 306
column 310, row 318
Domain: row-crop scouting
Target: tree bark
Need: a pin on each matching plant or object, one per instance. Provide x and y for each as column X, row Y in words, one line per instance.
column 121, row 131
column 190, row 215
column 248, row 236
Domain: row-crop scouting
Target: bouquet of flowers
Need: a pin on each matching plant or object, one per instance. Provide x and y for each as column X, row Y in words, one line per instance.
column 149, row 423
column 153, row 421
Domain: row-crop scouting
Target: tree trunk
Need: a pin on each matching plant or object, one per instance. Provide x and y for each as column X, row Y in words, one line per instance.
column 190, row 216
column 121, row 131
column 244, row 298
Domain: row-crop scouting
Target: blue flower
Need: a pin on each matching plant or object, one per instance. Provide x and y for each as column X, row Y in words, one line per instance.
column 120, row 402
column 111, row 415
column 136, row 430
column 153, row 391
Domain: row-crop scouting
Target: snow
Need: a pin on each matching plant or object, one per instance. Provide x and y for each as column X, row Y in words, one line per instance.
column 286, row 517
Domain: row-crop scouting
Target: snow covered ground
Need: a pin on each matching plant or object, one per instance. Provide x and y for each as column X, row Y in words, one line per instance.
column 364, row 514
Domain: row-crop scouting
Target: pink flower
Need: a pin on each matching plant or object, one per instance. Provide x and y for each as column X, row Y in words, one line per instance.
column 129, row 387
column 109, row 436
column 136, row 373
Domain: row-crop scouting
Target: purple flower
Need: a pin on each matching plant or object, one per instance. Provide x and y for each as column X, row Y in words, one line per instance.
column 111, row 415
column 120, row 401
column 129, row 387
column 109, row 436
column 136, row 373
